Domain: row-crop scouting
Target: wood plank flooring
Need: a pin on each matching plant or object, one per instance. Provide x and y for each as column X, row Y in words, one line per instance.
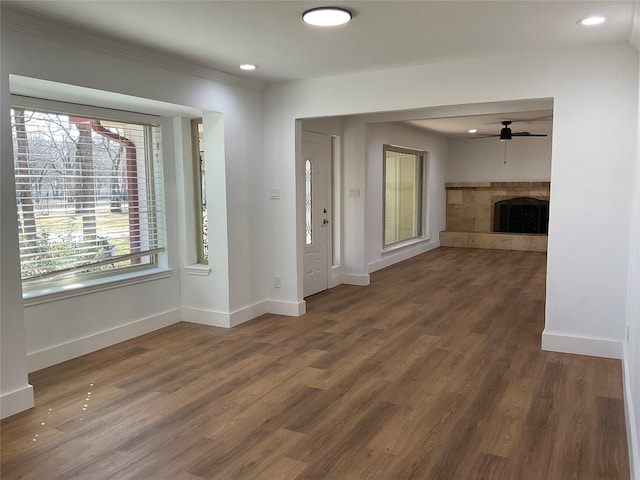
column 432, row 372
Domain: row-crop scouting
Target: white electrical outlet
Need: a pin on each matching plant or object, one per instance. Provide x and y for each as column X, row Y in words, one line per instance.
column 276, row 281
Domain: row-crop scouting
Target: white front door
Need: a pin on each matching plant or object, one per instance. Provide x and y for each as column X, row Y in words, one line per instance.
column 316, row 150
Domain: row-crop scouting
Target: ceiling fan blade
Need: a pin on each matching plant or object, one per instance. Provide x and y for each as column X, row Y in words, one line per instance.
column 483, row 135
column 506, row 133
column 528, row 134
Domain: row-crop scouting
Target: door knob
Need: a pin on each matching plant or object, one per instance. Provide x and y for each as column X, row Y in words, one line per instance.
column 325, row 221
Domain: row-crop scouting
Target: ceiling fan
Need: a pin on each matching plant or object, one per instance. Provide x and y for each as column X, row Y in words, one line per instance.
column 507, row 134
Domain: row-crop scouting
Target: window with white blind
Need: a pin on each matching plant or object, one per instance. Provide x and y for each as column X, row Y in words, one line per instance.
column 89, row 193
column 403, row 194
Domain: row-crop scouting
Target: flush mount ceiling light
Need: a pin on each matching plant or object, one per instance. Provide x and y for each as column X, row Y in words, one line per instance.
column 590, row 21
column 326, row 16
column 248, row 67
column 473, row 130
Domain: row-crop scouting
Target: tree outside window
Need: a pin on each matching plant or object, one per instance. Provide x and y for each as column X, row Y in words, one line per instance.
column 88, row 194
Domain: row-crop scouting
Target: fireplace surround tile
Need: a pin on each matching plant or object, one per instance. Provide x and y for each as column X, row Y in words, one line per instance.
column 470, row 215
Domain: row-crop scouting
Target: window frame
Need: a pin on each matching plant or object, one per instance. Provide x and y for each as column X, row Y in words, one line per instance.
column 420, row 203
column 156, row 268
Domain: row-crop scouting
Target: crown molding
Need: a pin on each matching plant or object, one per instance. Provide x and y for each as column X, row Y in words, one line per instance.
column 634, row 37
column 24, row 22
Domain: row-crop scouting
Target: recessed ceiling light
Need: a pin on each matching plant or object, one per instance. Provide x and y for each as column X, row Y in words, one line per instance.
column 326, row 16
column 248, row 66
column 473, row 130
column 589, row 21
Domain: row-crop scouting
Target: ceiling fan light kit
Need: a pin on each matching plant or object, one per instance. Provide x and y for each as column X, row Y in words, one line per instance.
column 505, row 132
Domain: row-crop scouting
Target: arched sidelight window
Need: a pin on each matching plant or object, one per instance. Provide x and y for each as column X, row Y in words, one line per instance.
column 308, row 203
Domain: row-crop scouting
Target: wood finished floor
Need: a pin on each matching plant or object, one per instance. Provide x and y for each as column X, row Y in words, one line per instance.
column 432, row 372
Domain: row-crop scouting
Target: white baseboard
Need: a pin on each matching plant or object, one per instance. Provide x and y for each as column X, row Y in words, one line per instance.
column 292, row 309
column 16, row 401
column 595, row 347
column 206, row 317
column 230, row 320
column 248, row 313
column 361, row 280
column 335, row 276
column 633, row 441
column 82, row 346
column 404, row 253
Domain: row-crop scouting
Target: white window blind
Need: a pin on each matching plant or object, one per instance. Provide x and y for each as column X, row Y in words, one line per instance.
column 89, row 194
column 403, row 185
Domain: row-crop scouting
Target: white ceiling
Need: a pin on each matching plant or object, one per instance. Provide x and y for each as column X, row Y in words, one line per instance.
column 219, row 35
column 532, row 121
column 382, row 34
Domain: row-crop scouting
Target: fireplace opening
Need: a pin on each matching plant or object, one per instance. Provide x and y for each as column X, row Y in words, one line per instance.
column 521, row 215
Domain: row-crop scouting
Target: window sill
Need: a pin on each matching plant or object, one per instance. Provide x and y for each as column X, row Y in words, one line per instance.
column 198, row 269
column 54, row 293
column 407, row 243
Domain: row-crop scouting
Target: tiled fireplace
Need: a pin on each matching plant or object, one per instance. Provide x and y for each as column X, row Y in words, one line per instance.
column 497, row 215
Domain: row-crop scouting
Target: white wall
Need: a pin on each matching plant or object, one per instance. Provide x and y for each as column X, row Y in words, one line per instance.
column 233, row 291
column 15, row 392
column 631, row 360
column 595, row 99
column 477, row 160
column 589, row 222
column 379, row 134
column 328, row 126
column 354, row 260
